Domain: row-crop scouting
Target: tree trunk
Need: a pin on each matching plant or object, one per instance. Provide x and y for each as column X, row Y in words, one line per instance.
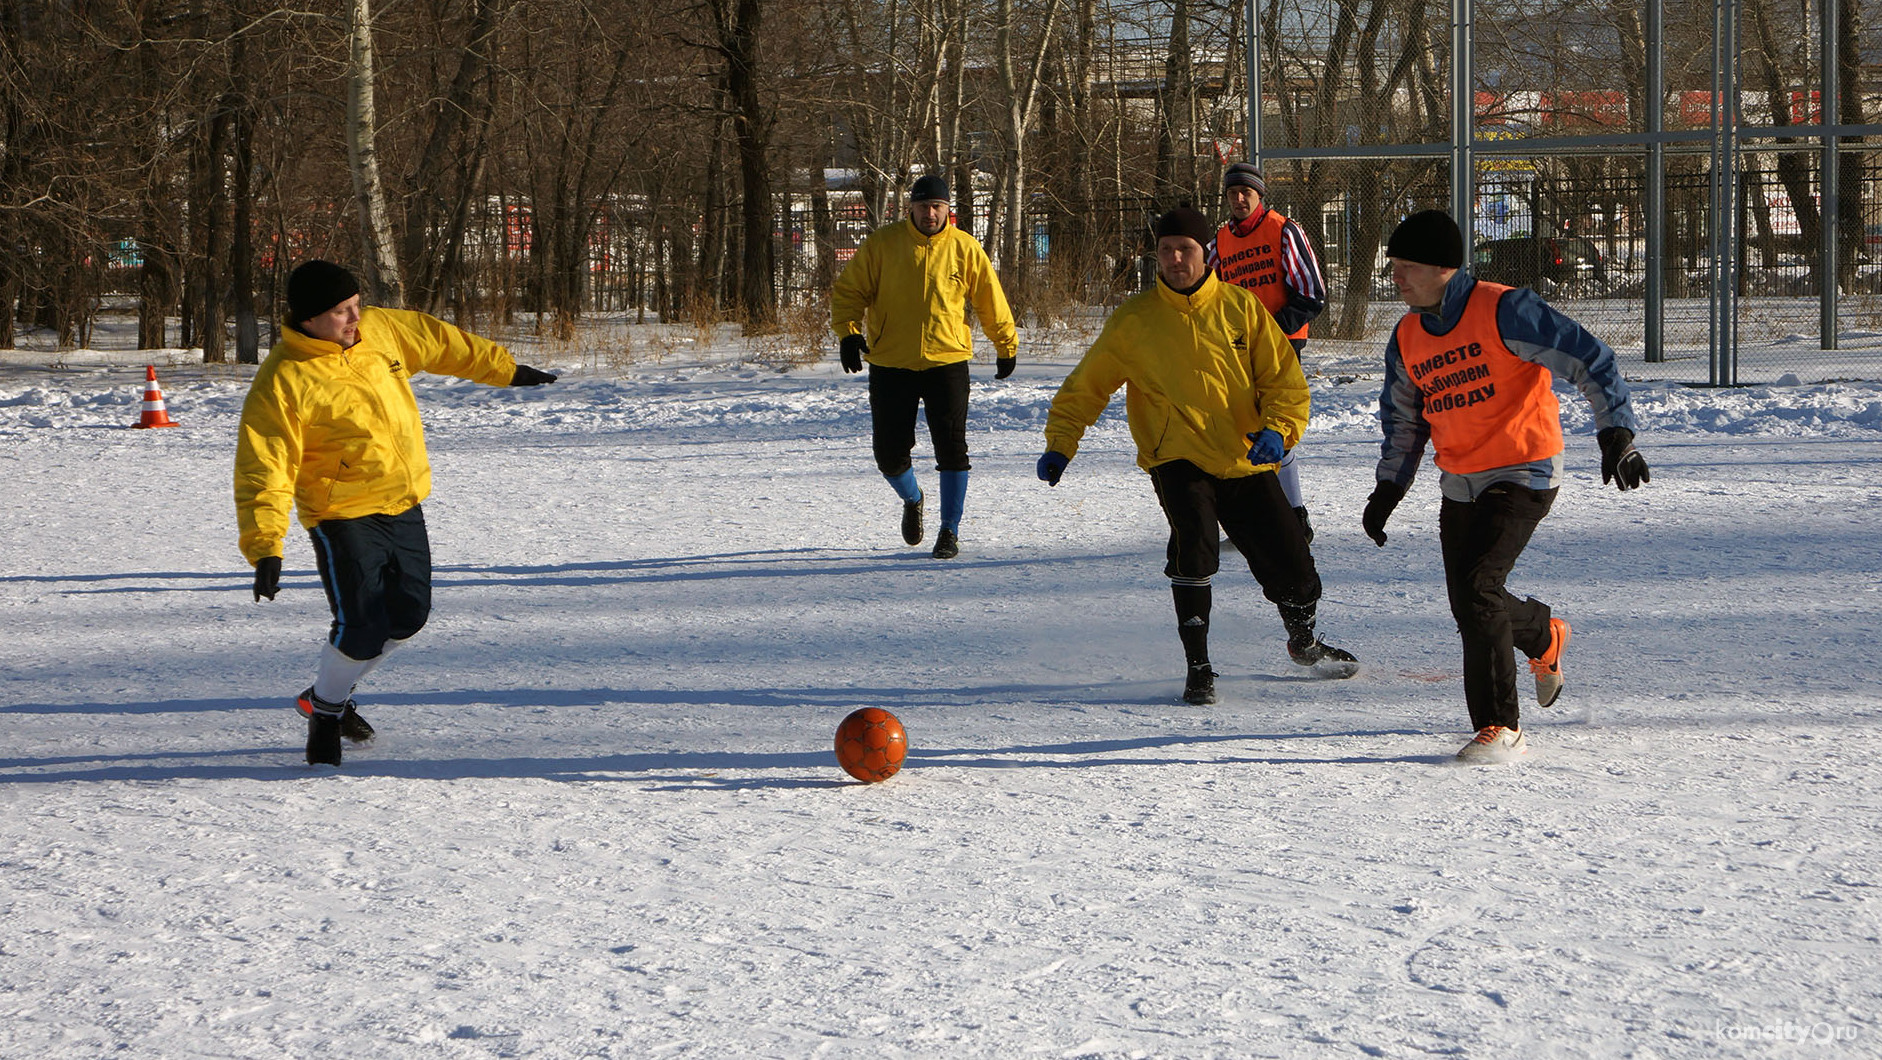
column 1021, row 97
column 1852, row 189
column 446, row 169
column 242, row 235
column 1793, row 169
column 751, row 128
column 1173, row 107
column 211, row 307
column 156, row 236
column 704, row 297
column 383, row 284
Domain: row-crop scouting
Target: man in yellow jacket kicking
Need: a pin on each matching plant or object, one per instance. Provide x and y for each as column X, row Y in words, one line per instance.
column 912, row 280
column 331, row 427
column 1214, row 396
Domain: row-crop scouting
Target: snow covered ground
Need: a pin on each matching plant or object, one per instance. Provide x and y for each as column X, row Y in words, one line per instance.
column 603, row 818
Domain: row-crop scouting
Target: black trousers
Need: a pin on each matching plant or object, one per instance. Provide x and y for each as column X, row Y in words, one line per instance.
column 1255, row 515
column 377, row 573
column 894, row 396
column 1482, row 540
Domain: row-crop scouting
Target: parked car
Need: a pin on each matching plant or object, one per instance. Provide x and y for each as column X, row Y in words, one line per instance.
column 1550, row 264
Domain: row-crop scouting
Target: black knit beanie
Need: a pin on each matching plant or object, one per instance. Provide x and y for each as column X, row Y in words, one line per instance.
column 1186, row 221
column 1428, row 237
column 929, row 188
column 317, row 286
column 1244, row 175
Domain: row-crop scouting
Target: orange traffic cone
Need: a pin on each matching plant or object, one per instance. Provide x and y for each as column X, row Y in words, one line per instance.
column 155, row 415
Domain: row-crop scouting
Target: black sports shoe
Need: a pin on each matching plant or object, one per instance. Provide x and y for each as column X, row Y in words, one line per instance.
column 1199, row 688
column 911, row 519
column 1305, row 526
column 1326, row 660
column 946, row 545
column 323, row 739
column 352, row 726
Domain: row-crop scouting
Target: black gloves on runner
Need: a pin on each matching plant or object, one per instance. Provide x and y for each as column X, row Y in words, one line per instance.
column 854, row 346
column 1385, row 497
column 1004, row 367
column 267, row 577
column 1621, row 463
column 527, row 376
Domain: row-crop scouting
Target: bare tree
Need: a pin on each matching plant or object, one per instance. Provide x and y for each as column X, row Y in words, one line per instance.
column 444, row 173
column 377, row 244
column 1019, row 89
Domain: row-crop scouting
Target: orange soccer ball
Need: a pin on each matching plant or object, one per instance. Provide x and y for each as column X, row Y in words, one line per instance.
column 870, row 745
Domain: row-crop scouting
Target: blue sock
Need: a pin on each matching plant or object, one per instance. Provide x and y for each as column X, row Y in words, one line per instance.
column 905, row 486
column 953, row 499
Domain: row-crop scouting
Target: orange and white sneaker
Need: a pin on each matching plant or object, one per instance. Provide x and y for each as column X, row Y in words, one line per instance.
column 1494, row 744
column 1548, row 669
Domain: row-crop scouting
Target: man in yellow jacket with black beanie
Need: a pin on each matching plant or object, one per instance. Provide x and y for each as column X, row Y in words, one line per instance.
column 901, row 304
column 331, row 428
column 1214, row 396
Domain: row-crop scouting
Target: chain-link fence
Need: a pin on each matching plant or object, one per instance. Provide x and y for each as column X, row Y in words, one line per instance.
column 1578, row 143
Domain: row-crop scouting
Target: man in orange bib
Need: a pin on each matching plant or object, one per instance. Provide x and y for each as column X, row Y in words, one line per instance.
column 1267, row 254
column 1470, row 370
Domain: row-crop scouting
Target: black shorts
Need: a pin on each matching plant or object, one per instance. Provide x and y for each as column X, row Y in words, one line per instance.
column 1253, row 512
column 377, row 573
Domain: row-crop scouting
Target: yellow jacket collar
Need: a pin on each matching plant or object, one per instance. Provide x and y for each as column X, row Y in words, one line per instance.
column 1190, row 303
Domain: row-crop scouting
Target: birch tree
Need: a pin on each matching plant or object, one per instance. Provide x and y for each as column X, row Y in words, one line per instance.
column 377, row 242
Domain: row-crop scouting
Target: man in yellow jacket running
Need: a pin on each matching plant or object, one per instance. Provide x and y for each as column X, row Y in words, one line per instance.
column 331, row 428
column 901, row 304
column 1214, row 396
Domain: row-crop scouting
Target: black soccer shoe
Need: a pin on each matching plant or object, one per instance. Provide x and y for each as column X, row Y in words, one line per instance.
column 946, row 545
column 352, row 726
column 911, row 519
column 1326, row 660
column 323, row 740
column 1199, row 688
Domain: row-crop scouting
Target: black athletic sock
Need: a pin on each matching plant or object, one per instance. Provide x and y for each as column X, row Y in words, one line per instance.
column 1192, row 620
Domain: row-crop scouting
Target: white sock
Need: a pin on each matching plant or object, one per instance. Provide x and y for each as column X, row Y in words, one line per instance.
column 339, row 673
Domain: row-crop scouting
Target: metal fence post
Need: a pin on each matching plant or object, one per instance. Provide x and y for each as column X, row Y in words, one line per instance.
column 1463, row 123
column 1829, row 195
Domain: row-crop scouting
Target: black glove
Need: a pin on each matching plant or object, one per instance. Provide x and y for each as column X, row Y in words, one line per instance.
column 1385, row 497
column 267, row 577
column 1051, row 465
column 1004, row 367
column 1621, row 463
column 854, row 346
column 527, row 376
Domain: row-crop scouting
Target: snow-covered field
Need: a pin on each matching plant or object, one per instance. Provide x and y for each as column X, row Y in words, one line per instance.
column 603, row 818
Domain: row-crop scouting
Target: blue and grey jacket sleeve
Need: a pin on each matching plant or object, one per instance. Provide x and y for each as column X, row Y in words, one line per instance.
column 1536, row 332
column 1402, row 415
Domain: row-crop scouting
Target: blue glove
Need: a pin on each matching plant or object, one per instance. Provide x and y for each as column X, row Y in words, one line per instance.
column 1051, row 466
column 1267, row 448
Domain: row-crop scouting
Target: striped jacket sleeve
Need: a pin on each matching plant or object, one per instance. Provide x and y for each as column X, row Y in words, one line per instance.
column 1306, row 289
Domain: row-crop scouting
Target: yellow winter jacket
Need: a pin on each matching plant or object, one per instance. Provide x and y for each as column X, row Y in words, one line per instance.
column 336, row 432
column 1202, row 372
column 914, row 290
